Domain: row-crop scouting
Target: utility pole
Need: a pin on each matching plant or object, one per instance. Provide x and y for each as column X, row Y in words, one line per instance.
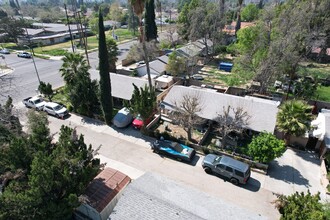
column 83, row 37
column 67, row 20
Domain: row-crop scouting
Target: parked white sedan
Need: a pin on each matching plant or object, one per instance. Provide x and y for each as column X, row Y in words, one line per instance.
column 56, row 110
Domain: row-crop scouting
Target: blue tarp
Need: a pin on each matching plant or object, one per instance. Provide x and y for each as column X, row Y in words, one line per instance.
column 225, row 66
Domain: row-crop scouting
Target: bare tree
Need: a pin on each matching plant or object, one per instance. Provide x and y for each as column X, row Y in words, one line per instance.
column 136, row 51
column 170, row 31
column 231, row 119
column 186, row 112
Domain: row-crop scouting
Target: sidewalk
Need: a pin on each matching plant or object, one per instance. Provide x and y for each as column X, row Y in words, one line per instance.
column 4, row 72
column 128, row 134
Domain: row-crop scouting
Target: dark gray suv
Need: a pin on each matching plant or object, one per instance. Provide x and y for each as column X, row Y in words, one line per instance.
column 236, row 171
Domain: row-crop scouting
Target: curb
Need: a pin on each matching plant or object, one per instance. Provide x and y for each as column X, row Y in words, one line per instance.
column 6, row 72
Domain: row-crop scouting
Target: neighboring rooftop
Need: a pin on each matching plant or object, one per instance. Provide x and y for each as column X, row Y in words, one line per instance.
column 105, row 187
column 262, row 112
column 122, row 86
column 153, row 196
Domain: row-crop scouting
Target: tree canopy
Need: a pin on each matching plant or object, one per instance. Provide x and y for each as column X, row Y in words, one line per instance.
column 294, row 117
column 43, row 179
column 266, row 147
column 301, row 206
column 149, row 20
column 79, row 86
column 143, row 102
column 105, row 84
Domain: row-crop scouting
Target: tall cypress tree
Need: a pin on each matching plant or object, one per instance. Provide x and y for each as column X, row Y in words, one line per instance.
column 105, row 84
column 149, row 19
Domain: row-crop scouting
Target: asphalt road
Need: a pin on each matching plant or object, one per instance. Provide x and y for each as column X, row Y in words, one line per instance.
column 126, row 146
column 23, row 81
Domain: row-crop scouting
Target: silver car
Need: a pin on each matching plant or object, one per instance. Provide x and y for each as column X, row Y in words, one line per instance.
column 55, row 109
column 236, row 171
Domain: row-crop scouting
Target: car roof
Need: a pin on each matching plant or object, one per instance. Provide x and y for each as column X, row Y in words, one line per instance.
column 234, row 163
column 52, row 104
column 35, row 98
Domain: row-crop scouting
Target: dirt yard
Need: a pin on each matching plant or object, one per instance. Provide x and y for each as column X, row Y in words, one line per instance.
column 178, row 132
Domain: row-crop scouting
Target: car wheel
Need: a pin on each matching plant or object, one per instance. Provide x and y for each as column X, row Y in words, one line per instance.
column 155, row 150
column 179, row 159
column 57, row 116
column 234, row 181
column 208, row 170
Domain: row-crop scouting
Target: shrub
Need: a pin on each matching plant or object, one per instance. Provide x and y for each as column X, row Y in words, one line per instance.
column 300, row 206
column 266, row 147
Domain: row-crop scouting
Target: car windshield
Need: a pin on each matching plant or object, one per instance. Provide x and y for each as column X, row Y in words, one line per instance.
column 217, row 160
column 58, row 107
column 138, row 117
column 37, row 101
column 177, row 147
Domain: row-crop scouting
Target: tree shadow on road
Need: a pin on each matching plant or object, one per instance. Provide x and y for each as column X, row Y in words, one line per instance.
column 287, row 174
column 308, row 156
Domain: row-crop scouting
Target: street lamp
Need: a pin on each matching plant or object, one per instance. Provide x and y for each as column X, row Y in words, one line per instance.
column 34, row 63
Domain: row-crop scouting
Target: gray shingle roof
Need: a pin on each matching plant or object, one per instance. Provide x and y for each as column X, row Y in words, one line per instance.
column 152, row 196
column 158, row 66
column 263, row 112
column 164, row 59
column 190, row 50
column 122, row 86
column 32, row 32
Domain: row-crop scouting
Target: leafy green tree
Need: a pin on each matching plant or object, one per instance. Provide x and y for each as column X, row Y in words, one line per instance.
column 12, row 27
column 300, row 206
column 133, row 20
column 143, row 102
column 250, row 12
column 293, row 118
column 94, row 25
column 149, row 20
column 183, row 21
column 112, row 54
column 56, row 178
column 46, row 89
column 176, row 64
column 105, row 84
column 8, row 120
column 80, row 88
column 266, row 147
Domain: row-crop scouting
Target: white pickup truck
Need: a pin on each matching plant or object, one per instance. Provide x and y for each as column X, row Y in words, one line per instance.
column 35, row 102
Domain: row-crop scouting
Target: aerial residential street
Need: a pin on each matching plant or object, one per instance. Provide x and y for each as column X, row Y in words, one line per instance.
column 23, row 81
column 129, row 147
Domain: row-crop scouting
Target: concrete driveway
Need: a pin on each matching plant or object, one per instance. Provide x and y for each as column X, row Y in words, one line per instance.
column 294, row 171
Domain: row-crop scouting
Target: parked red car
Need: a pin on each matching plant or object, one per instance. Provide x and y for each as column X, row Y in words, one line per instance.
column 138, row 122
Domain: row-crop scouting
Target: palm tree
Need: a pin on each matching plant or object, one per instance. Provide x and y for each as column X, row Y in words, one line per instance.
column 294, row 118
column 138, row 8
column 72, row 64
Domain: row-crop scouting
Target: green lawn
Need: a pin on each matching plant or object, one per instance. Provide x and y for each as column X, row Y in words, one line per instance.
column 61, row 48
column 323, row 93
